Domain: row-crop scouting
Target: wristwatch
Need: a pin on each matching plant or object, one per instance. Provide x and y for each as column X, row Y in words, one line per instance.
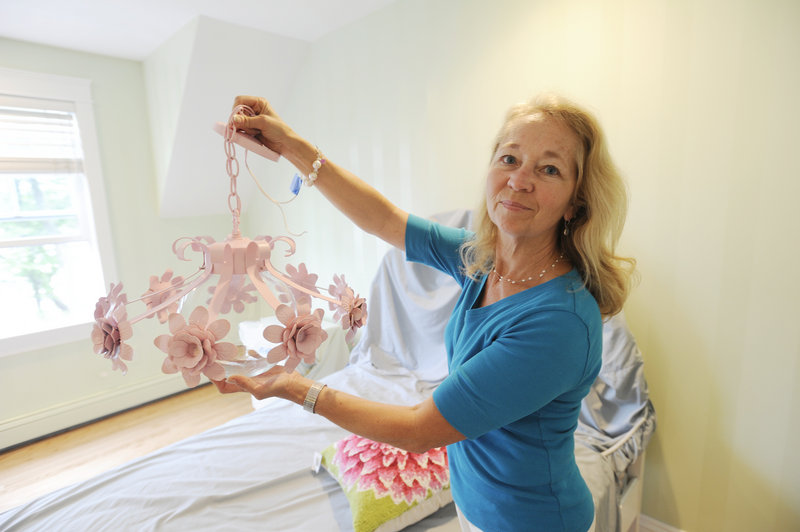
column 310, row 401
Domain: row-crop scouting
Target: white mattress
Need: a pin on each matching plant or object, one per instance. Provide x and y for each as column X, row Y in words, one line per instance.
column 253, row 473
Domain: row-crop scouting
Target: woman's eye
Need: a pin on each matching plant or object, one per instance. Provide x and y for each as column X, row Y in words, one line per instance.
column 551, row 170
column 508, row 159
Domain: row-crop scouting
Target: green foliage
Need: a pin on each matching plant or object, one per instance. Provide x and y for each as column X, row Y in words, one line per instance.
column 37, row 264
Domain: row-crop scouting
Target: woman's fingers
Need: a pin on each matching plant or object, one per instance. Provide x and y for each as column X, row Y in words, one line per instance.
column 241, row 382
column 245, row 123
column 227, row 387
column 258, row 105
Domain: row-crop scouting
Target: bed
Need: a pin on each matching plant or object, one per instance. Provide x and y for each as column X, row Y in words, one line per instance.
column 261, row 471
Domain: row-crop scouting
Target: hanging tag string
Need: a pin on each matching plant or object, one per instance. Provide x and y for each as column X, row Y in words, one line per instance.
column 232, row 167
column 277, row 203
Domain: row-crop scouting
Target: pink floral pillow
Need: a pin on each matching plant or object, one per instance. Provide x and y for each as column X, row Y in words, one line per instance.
column 388, row 488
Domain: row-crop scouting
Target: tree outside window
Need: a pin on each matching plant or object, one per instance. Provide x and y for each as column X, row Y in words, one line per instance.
column 50, row 271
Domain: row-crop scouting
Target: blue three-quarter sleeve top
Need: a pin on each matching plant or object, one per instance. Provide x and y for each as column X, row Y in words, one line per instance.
column 519, row 369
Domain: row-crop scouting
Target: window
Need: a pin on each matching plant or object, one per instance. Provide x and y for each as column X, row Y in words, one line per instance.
column 51, row 272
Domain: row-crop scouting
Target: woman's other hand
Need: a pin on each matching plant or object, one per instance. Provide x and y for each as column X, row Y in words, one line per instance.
column 272, row 383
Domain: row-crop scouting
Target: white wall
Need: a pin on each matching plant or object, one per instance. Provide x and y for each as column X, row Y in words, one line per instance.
column 699, row 102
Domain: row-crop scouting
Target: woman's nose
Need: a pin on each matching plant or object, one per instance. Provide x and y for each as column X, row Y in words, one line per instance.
column 520, row 181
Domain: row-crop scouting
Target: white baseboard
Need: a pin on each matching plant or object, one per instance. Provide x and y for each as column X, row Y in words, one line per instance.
column 69, row 414
column 648, row 524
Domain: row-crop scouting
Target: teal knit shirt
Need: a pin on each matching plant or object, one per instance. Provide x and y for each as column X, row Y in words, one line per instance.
column 519, row 369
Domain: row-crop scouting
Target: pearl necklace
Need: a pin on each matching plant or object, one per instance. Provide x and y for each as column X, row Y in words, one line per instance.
column 531, row 278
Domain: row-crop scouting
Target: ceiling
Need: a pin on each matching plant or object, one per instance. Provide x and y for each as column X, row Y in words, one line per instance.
column 133, row 29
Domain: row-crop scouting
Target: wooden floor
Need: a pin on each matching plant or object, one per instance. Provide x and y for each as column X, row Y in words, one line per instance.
column 55, row 462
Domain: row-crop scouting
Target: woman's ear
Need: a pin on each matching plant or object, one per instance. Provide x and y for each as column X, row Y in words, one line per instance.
column 570, row 213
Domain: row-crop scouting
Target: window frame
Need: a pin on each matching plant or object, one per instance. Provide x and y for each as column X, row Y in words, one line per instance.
column 77, row 91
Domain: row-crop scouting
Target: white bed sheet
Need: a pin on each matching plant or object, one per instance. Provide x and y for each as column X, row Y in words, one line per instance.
column 253, row 473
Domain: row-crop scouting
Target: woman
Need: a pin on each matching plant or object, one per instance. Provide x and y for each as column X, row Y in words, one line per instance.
column 524, row 341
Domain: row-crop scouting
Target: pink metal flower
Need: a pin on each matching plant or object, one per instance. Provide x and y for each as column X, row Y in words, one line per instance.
column 353, row 314
column 298, row 340
column 387, row 470
column 238, row 295
column 337, row 289
column 194, row 348
column 301, row 276
column 352, row 310
column 160, row 291
column 111, row 328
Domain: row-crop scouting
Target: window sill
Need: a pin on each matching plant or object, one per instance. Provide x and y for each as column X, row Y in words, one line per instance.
column 43, row 339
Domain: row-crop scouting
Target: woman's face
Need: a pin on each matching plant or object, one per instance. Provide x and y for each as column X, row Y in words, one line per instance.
column 532, row 179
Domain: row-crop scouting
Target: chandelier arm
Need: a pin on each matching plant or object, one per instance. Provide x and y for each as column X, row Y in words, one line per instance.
column 178, row 295
column 171, row 288
column 196, row 244
column 271, row 269
column 258, row 282
column 221, row 290
column 286, row 240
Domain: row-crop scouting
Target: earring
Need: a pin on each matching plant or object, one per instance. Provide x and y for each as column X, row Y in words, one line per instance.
column 566, row 227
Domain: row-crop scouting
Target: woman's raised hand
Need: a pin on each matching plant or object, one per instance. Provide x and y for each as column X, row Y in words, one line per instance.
column 266, row 126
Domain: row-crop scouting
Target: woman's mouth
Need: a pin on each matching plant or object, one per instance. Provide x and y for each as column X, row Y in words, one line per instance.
column 513, row 205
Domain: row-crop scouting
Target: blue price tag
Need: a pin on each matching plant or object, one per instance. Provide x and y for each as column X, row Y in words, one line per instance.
column 297, row 182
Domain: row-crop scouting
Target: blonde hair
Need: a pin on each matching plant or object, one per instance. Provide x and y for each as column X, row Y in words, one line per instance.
column 600, row 200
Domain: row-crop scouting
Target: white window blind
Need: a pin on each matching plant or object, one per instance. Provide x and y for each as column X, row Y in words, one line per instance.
column 50, row 268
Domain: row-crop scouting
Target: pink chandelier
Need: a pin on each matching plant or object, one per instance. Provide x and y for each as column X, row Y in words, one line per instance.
column 237, row 271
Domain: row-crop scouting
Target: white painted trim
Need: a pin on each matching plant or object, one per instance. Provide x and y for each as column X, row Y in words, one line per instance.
column 93, row 170
column 71, row 413
column 648, row 524
column 78, row 91
column 47, row 86
column 47, row 338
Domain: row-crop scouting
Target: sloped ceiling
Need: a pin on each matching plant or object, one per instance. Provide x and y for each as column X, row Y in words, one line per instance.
column 191, row 82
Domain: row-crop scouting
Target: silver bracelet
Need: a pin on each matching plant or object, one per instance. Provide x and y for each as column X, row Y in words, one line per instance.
column 310, row 401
